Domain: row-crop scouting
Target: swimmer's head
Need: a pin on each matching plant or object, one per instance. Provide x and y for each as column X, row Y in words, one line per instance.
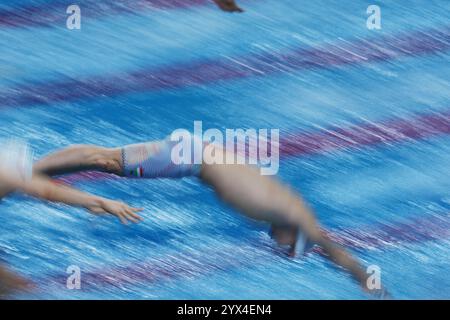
column 285, row 236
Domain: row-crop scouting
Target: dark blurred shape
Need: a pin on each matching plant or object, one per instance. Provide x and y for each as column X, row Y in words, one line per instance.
column 228, row 5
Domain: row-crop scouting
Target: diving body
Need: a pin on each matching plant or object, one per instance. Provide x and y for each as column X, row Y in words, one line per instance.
column 241, row 186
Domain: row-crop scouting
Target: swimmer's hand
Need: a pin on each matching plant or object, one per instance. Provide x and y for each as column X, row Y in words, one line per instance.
column 379, row 294
column 11, row 283
column 228, row 5
column 119, row 209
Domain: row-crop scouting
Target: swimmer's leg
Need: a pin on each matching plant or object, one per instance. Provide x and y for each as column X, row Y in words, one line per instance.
column 143, row 160
column 79, row 158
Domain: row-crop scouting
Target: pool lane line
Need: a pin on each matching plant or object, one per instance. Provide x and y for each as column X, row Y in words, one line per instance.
column 54, row 13
column 367, row 134
column 384, row 133
column 174, row 266
column 210, row 71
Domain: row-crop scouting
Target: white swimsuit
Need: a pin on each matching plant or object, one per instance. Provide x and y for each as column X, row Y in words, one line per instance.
column 154, row 160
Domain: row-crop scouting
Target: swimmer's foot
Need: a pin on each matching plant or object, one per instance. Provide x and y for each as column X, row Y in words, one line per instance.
column 228, row 5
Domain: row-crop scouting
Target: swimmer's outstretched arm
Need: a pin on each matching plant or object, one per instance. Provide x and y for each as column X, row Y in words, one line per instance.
column 332, row 251
column 43, row 188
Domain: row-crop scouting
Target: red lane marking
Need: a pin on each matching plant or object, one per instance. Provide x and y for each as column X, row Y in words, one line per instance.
column 395, row 130
column 54, row 14
column 194, row 73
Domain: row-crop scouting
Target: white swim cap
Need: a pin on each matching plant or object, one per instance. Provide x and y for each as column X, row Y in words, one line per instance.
column 16, row 159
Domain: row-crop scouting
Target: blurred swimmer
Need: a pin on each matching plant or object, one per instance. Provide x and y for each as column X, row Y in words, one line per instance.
column 228, row 5
column 293, row 224
column 16, row 174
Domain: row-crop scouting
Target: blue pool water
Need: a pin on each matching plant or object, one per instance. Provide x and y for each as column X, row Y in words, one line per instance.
column 139, row 69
